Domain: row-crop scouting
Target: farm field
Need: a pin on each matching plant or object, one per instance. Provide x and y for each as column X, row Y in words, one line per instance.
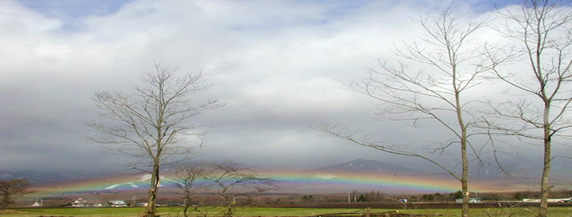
column 251, row 211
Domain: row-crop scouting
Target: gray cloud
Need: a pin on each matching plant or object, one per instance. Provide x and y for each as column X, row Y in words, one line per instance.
column 277, row 65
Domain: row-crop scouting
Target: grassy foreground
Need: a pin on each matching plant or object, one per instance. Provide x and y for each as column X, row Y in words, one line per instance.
column 248, row 211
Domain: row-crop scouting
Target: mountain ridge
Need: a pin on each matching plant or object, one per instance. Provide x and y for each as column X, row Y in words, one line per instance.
column 365, row 165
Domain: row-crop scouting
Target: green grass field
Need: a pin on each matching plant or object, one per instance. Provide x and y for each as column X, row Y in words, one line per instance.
column 176, row 211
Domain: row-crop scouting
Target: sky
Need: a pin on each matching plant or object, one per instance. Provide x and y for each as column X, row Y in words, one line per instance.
column 277, row 65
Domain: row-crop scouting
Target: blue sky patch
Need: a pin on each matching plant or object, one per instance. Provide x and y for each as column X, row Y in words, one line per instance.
column 71, row 12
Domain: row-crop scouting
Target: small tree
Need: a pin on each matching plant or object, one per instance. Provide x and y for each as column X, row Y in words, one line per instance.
column 12, row 189
column 191, row 182
column 518, row 196
column 150, row 125
column 226, row 179
column 458, row 195
column 230, row 178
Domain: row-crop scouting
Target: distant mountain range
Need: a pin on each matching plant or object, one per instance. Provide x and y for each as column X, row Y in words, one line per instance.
column 43, row 177
column 334, row 177
column 362, row 165
column 373, row 166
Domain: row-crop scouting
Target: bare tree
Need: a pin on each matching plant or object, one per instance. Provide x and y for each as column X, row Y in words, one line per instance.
column 229, row 179
column 11, row 189
column 541, row 30
column 150, row 125
column 452, row 65
column 192, row 182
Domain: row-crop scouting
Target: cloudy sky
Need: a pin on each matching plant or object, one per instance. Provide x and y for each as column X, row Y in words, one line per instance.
column 277, row 65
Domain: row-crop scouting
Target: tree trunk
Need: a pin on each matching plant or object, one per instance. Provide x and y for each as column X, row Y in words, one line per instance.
column 152, row 204
column 464, row 158
column 465, row 178
column 544, row 185
column 186, row 205
column 544, row 181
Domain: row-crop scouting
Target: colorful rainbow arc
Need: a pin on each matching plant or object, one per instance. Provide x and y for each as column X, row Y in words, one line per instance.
column 388, row 181
column 400, row 182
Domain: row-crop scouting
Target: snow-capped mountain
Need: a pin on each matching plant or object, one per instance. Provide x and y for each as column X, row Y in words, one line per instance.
column 141, row 181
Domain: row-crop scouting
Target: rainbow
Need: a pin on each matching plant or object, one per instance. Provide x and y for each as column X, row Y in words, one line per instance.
column 395, row 183
column 295, row 181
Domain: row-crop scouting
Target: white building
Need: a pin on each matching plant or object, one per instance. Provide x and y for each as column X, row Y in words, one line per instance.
column 471, row 200
column 117, row 203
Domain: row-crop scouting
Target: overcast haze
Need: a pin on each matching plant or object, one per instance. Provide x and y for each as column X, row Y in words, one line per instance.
column 277, row 65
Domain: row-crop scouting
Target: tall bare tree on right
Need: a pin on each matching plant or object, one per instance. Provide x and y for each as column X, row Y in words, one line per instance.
column 451, row 65
column 542, row 30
